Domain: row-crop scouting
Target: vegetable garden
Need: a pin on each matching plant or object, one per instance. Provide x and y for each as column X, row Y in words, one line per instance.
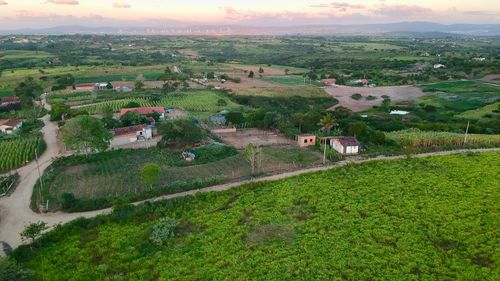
column 413, row 219
column 417, row 138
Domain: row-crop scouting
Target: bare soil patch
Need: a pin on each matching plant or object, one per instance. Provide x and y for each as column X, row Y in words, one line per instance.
column 491, row 78
column 397, row 94
column 243, row 137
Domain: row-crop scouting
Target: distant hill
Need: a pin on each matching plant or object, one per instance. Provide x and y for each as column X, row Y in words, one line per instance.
column 363, row 29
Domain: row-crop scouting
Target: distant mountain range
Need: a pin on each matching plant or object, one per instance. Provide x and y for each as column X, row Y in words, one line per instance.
column 355, row 29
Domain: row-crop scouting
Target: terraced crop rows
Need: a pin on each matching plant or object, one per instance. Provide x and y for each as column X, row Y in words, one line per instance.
column 17, row 152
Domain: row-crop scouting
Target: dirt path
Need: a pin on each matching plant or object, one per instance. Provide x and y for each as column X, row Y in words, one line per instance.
column 15, row 212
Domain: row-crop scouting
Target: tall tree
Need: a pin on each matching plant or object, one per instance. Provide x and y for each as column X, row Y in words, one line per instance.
column 150, row 173
column 251, row 74
column 253, row 154
column 85, row 134
column 327, row 122
column 27, row 91
column 261, row 70
column 181, row 132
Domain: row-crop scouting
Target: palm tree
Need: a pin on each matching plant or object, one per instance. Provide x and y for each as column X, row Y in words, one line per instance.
column 327, row 122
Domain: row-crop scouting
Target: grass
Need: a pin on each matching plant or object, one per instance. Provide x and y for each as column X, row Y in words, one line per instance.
column 417, row 138
column 23, row 55
column 112, row 175
column 289, row 80
column 481, row 112
column 412, row 219
column 284, row 92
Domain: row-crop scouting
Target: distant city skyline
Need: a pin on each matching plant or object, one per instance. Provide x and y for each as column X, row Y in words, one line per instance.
column 49, row 13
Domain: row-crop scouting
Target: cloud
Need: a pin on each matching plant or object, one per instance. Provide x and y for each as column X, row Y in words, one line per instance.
column 481, row 13
column 2, row 2
column 121, row 5
column 64, row 2
column 339, row 5
column 401, row 11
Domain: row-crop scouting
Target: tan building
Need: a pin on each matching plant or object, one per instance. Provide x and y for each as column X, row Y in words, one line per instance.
column 345, row 145
column 306, row 140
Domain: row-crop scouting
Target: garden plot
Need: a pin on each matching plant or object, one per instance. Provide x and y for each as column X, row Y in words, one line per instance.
column 396, row 94
column 243, row 137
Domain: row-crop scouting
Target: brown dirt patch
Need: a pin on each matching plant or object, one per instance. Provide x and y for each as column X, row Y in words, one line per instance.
column 397, row 94
column 243, row 137
column 492, row 78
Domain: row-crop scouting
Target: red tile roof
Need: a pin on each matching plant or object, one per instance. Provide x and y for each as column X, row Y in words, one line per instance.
column 142, row 110
column 9, row 99
column 127, row 130
column 347, row 141
column 10, row 122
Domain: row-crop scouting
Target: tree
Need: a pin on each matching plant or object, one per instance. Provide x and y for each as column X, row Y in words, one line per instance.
column 357, row 128
column 181, row 132
column 132, row 118
column 327, row 122
column 287, row 71
column 139, row 85
column 261, row 70
column 251, row 74
column 132, row 104
column 58, row 111
column 33, row 231
column 109, row 86
column 235, row 117
column 163, row 230
column 169, row 87
column 253, row 154
column 85, row 134
column 221, row 102
column 150, row 173
column 27, row 91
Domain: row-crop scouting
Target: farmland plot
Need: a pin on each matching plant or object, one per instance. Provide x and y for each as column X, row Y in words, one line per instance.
column 17, row 152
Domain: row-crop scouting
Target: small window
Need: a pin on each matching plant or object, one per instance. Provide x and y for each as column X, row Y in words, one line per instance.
column 305, row 141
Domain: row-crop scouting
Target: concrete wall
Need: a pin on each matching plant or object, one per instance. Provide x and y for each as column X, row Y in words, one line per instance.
column 223, row 131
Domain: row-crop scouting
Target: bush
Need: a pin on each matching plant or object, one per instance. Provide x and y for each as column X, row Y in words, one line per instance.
column 163, row 230
column 356, row 96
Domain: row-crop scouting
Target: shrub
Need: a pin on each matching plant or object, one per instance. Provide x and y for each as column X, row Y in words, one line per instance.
column 356, row 96
column 163, row 230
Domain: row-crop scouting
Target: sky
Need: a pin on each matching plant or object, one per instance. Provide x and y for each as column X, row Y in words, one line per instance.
column 16, row 14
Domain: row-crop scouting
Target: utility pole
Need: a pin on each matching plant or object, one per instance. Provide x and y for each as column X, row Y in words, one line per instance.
column 39, row 178
column 466, row 132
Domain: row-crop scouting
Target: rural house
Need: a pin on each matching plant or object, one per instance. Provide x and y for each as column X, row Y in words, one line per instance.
column 84, row 87
column 144, row 111
column 329, row 82
column 306, row 140
column 132, row 134
column 8, row 126
column 345, row 145
column 100, row 86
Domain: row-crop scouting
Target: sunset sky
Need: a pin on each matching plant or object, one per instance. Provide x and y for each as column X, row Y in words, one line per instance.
column 47, row 13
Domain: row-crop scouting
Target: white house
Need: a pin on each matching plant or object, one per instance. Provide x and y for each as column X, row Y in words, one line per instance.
column 132, row 134
column 8, row 126
column 345, row 145
column 438, row 65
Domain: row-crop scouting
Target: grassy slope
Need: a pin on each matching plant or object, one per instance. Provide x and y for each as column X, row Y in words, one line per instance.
column 433, row 218
column 480, row 112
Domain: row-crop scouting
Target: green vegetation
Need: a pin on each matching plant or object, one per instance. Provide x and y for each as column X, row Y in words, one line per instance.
column 289, row 80
column 489, row 111
column 417, row 138
column 379, row 220
column 17, row 152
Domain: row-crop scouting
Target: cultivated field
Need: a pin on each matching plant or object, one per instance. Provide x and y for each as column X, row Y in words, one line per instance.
column 17, row 152
column 417, row 138
column 397, row 94
column 433, row 218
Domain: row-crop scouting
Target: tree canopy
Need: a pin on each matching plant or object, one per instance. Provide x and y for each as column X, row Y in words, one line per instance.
column 85, row 134
column 180, row 132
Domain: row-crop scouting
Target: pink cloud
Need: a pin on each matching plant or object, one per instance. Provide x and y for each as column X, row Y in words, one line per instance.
column 402, row 11
column 121, row 5
column 64, row 2
column 2, row 2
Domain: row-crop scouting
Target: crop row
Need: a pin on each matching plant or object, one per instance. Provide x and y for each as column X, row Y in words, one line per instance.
column 17, row 152
column 417, row 138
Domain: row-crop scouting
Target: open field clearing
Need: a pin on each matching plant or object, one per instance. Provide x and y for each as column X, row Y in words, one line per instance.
column 431, row 218
column 492, row 78
column 417, row 138
column 397, row 94
column 17, row 152
column 288, row 80
column 283, row 92
column 117, row 175
column 24, row 55
column 243, row 137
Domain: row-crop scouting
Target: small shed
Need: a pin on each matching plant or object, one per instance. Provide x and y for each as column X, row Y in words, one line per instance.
column 345, row 145
column 306, row 140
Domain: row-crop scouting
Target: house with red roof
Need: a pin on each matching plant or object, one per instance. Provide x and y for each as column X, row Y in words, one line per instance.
column 131, row 134
column 8, row 126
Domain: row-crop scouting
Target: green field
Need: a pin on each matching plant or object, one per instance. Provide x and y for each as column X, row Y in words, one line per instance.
column 417, row 138
column 284, row 92
column 112, row 175
column 481, row 112
column 288, row 80
column 194, row 101
column 414, row 219
column 23, row 55
column 17, row 152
